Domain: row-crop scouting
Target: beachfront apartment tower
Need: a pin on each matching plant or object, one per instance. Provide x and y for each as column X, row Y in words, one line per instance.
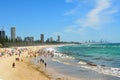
column 2, row 34
column 51, row 39
column 42, row 38
column 29, row 39
column 13, row 33
column 58, row 40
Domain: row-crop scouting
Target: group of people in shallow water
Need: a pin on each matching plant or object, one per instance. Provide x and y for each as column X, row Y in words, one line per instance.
column 42, row 61
column 45, row 53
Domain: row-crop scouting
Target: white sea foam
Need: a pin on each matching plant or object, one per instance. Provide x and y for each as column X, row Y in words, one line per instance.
column 63, row 56
column 50, row 49
column 82, row 62
column 57, row 54
column 105, row 70
column 56, row 60
column 109, row 70
column 60, row 57
column 61, row 61
column 100, row 69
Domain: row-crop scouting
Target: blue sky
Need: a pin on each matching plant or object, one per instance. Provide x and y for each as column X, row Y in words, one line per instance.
column 73, row 20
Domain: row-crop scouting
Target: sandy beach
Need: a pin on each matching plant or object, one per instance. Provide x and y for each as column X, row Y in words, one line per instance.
column 24, row 69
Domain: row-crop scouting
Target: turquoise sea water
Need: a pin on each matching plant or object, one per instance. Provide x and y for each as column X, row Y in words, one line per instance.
column 101, row 54
column 106, row 57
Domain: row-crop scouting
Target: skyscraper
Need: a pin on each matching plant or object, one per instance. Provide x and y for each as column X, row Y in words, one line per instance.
column 51, row 39
column 2, row 34
column 58, row 38
column 13, row 33
column 42, row 38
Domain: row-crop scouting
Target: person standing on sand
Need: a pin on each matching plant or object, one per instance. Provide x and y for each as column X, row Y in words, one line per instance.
column 13, row 65
column 45, row 65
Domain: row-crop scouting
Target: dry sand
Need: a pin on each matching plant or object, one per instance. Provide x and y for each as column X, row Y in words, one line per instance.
column 22, row 71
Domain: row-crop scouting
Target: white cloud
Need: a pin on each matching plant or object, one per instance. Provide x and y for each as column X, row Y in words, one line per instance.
column 98, row 15
column 102, row 13
column 111, row 11
column 94, row 17
column 72, row 11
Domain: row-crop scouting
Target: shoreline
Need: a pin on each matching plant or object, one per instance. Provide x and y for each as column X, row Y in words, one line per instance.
column 27, row 69
column 79, row 71
column 24, row 69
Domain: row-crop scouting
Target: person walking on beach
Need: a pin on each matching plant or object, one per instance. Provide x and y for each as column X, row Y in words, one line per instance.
column 13, row 65
column 40, row 60
column 45, row 65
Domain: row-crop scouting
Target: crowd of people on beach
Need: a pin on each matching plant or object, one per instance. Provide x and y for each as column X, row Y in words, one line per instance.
column 11, row 51
column 36, row 53
column 8, row 52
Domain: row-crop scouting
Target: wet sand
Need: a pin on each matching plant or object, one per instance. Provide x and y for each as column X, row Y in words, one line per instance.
column 79, row 73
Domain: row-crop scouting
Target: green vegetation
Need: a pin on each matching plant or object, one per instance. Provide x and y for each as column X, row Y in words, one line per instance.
column 7, row 42
column 3, row 41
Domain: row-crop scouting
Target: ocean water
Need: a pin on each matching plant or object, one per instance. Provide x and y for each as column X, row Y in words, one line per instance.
column 102, row 58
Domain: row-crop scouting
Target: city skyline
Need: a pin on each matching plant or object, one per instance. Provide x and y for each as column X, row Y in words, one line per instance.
column 73, row 20
column 15, row 37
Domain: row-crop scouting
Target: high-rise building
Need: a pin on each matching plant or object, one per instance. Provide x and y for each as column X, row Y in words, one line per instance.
column 29, row 39
column 42, row 38
column 2, row 34
column 51, row 39
column 13, row 33
column 58, row 38
column 18, row 38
